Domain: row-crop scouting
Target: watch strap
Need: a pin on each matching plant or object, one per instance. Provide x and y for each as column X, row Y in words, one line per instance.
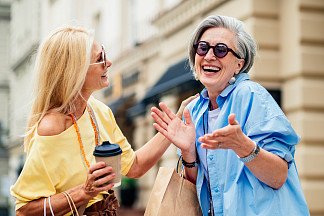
column 251, row 156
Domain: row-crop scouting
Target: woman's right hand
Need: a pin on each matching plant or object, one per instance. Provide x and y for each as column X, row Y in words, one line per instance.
column 182, row 135
column 97, row 180
column 184, row 104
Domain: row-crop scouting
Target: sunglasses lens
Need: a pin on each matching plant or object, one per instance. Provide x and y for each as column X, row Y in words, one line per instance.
column 104, row 58
column 202, row 48
column 220, row 50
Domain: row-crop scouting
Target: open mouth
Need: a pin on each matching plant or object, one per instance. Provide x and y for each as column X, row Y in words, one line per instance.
column 105, row 75
column 211, row 69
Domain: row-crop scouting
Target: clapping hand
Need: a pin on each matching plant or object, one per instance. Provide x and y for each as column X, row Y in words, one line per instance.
column 181, row 134
column 228, row 137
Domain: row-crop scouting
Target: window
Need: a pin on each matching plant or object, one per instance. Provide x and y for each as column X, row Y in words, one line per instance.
column 130, row 78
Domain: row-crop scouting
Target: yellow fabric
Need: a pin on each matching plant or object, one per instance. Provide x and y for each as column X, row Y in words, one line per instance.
column 54, row 163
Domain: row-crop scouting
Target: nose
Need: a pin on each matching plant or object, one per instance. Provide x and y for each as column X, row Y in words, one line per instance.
column 210, row 54
column 108, row 63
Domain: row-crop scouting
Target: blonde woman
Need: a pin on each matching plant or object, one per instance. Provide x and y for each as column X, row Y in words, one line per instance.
column 62, row 134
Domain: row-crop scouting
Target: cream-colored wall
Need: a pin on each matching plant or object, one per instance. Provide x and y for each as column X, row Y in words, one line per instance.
column 302, row 54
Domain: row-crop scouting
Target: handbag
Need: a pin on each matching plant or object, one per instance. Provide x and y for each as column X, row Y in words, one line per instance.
column 172, row 195
column 106, row 207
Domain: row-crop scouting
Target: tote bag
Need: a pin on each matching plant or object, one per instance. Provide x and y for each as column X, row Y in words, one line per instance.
column 172, row 195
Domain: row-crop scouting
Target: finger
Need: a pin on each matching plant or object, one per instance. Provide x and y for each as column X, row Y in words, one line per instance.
column 97, row 174
column 161, row 130
column 211, row 141
column 225, row 131
column 159, row 121
column 207, row 146
column 208, row 137
column 185, row 103
column 231, row 119
column 107, row 187
column 96, row 166
column 161, row 115
column 187, row 117
column 167, row 111
column 189, row 99
column 103, row 180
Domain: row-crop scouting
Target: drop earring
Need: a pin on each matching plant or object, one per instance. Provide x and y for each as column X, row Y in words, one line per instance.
column 232, row 80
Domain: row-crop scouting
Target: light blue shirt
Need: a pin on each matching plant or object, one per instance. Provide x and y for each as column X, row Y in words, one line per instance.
column 235, row 190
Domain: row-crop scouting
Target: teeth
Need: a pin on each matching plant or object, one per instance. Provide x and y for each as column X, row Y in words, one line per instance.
column 211, row 68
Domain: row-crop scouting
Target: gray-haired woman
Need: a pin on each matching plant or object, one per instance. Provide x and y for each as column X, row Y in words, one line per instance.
column 236, row 144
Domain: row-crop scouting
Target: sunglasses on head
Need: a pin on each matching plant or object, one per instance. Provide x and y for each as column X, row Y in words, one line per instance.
column 220, row 50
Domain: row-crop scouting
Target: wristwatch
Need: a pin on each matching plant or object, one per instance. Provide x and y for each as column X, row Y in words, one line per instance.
column 251, row 156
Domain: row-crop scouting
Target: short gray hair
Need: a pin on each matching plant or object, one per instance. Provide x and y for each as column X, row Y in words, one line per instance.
column 245, row 45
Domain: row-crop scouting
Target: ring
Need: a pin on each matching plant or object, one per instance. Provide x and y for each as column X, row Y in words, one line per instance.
column 219, row 144
column 95, row 184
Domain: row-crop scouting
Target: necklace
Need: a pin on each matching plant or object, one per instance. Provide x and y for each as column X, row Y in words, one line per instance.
column 77, row 129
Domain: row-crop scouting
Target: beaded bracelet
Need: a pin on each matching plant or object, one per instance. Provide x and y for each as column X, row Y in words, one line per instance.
column 189, row 165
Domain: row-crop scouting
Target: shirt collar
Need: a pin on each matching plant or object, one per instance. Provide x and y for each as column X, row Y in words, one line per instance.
column 221, row 98
column 240, row 77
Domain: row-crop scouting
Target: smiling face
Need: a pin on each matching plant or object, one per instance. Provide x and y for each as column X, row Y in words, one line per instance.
column 96, row 77
column 213, row 72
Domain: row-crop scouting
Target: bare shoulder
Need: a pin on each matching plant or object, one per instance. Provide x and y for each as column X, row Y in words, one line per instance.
column 53, row 124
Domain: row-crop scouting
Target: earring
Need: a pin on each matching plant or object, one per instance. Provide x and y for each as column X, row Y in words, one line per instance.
column 232, row 80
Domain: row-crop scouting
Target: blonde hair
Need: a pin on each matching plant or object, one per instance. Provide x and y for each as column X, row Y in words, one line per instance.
column 61, row 66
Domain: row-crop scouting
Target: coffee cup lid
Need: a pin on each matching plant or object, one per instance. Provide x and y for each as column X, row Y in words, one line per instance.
column 106, row 149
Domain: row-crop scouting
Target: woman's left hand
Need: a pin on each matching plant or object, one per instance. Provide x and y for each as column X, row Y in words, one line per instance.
column 228, row 137
column 267, row 167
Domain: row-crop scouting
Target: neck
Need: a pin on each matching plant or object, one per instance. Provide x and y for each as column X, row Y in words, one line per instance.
column 213, row 104
column 80, row 106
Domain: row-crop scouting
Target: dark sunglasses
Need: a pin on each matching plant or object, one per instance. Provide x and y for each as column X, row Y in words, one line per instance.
column 220, row 49
column 103, row 57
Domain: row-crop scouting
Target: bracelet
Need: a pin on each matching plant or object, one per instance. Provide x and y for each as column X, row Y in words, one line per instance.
column 253, row 154
column 50, row 205
column 45, row 206
column 189, row 165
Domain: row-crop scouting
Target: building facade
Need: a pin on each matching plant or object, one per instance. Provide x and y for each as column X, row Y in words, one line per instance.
column 147, row 43
column 4, row 101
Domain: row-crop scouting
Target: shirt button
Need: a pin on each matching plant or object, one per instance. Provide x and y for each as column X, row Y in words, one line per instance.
column 216, row 190
column 211, row 157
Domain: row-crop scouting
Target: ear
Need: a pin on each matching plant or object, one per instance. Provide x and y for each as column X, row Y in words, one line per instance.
column 239, row 65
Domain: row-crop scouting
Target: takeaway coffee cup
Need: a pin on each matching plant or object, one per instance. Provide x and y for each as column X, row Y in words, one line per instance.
column 111, row 155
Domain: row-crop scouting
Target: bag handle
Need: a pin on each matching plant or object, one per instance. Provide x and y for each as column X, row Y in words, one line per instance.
column 70, row 200
column 177, row 169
